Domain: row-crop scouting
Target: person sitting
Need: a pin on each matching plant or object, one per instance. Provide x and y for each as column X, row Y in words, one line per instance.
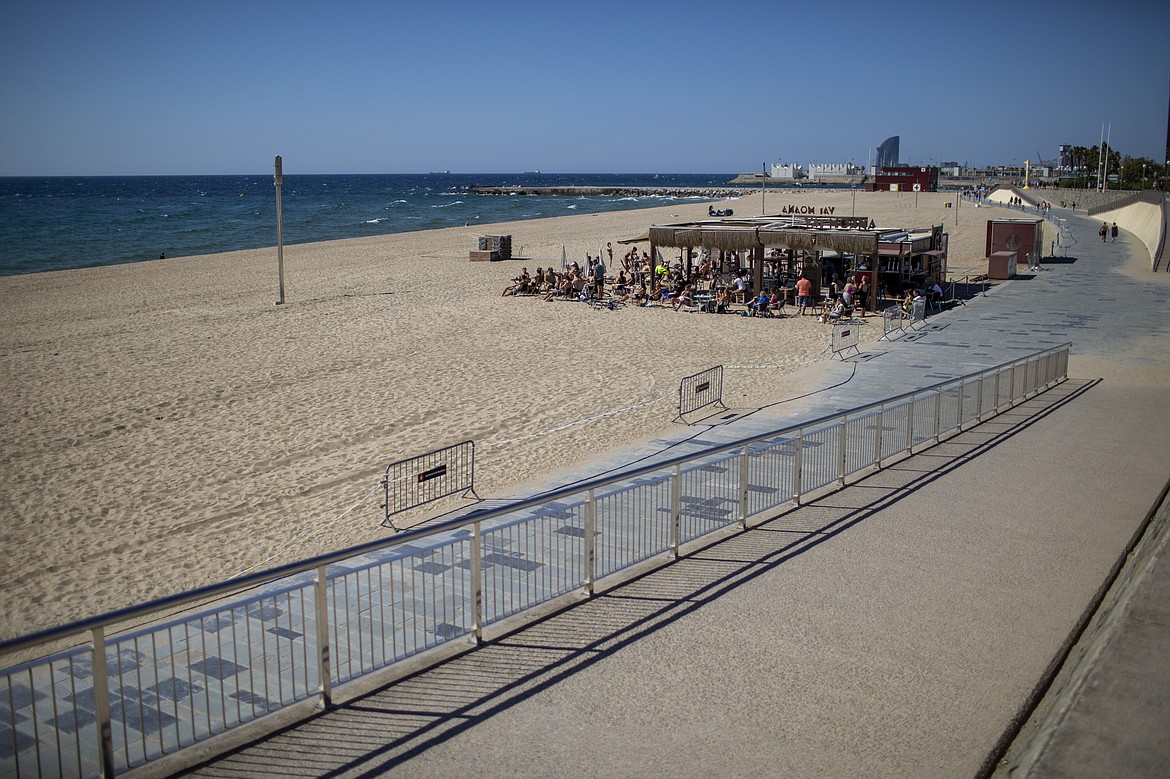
column 775, row 303
column 722, row 301
column 520, row 285
column 834, row 312
column 936, row 295
column 562, row 288
column 684, row 298
column 759, row 306
column 918, row 304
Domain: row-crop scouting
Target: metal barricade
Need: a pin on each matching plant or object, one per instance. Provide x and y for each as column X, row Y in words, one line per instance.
column 891, row 322
column 845, row 336
column 428, row 477
column 702, row 389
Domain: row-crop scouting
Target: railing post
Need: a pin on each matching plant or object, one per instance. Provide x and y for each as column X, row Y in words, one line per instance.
column 101, row 696
column 843, row 442
column 877, row 449
column 910, row 426
column 798, row 466
column 323, row 654
column 1012, row 387
column 743, row 487
column 675, row 508
column 959, row 411
column 938, row 399
column 995, row 408
column 590, row 543
column 979, row 401
column 477, row 581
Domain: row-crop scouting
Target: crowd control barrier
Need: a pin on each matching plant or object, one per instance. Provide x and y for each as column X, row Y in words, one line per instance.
column 125, row 697
column 702, row 389
column 428, row 477
column 892, row 322
column 845, row 336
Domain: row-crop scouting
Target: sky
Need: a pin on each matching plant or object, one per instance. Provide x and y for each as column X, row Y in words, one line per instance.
column 349, row 86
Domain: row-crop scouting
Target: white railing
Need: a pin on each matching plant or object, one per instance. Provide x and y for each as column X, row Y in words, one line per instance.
column 126, row 698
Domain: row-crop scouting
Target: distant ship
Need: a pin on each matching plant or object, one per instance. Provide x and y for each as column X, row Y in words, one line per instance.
column 531, row 172
column 440, row 172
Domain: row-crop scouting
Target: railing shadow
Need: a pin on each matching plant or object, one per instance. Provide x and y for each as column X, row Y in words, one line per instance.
column 385, row 728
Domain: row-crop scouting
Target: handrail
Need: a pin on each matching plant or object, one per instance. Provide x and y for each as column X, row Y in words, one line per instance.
column 212, row 591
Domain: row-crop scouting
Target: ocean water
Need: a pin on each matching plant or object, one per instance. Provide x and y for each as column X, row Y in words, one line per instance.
column 58, row 223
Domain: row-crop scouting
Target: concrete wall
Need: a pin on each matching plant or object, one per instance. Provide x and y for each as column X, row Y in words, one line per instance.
column 1142, row 219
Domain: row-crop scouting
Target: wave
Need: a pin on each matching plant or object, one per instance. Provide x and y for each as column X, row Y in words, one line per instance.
column 398, row 201
column 377, row 221
column 446, row 205
column 573, row 205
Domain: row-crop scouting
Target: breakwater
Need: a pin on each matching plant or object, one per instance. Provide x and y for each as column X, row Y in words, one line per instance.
column 607, row 191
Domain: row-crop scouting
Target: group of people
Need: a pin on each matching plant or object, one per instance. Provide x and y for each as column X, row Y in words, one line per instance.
column 571, row 282
column 1108, row 232
column 917, row 298
column 844, row 298
column 669, row 285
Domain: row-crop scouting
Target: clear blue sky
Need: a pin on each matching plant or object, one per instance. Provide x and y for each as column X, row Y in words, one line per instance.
column 593, row 86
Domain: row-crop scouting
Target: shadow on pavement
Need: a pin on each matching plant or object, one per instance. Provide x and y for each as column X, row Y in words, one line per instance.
column 383, row 729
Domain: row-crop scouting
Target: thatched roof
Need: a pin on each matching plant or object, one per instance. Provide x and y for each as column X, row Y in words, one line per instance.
column 717, row 237
column 747, row 238
column 821, row 240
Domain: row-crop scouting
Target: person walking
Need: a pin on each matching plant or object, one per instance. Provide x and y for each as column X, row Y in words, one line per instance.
column 1113, row 233
column 1104, row 231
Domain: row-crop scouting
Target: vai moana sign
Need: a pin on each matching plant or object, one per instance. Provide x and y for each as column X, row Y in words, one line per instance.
column 825, row 216
column 808, row 210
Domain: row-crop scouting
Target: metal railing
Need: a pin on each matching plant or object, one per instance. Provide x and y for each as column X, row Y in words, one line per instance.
column 126, row 699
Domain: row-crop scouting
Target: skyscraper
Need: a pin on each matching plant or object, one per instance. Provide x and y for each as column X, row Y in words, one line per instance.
column 887, row 153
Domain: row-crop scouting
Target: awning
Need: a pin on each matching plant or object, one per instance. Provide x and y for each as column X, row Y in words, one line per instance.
column 643, row 238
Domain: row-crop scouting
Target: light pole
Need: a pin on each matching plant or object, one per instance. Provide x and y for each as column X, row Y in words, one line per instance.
column 279, row 237
column 763, row 187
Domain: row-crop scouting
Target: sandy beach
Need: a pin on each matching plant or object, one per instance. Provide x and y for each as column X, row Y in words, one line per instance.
column 167, row 426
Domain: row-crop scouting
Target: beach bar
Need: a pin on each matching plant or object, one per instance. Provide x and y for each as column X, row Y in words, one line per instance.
column 779, row 249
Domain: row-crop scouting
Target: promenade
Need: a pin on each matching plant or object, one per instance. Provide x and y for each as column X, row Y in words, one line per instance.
column 904, row 626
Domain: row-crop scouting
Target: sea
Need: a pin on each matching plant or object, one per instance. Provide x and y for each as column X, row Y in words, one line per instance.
column 59, row 223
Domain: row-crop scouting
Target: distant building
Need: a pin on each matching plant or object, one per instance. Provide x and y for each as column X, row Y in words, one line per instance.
column 887, row 153
column 905, row 179
column 789, row 171
column 1064, row 161
column 832, row 169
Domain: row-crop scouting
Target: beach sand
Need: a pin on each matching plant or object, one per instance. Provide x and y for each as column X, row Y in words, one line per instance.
column 167, row 426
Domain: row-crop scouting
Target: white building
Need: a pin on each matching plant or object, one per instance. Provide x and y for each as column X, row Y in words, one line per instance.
column 781, row 170
column 831, row 169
